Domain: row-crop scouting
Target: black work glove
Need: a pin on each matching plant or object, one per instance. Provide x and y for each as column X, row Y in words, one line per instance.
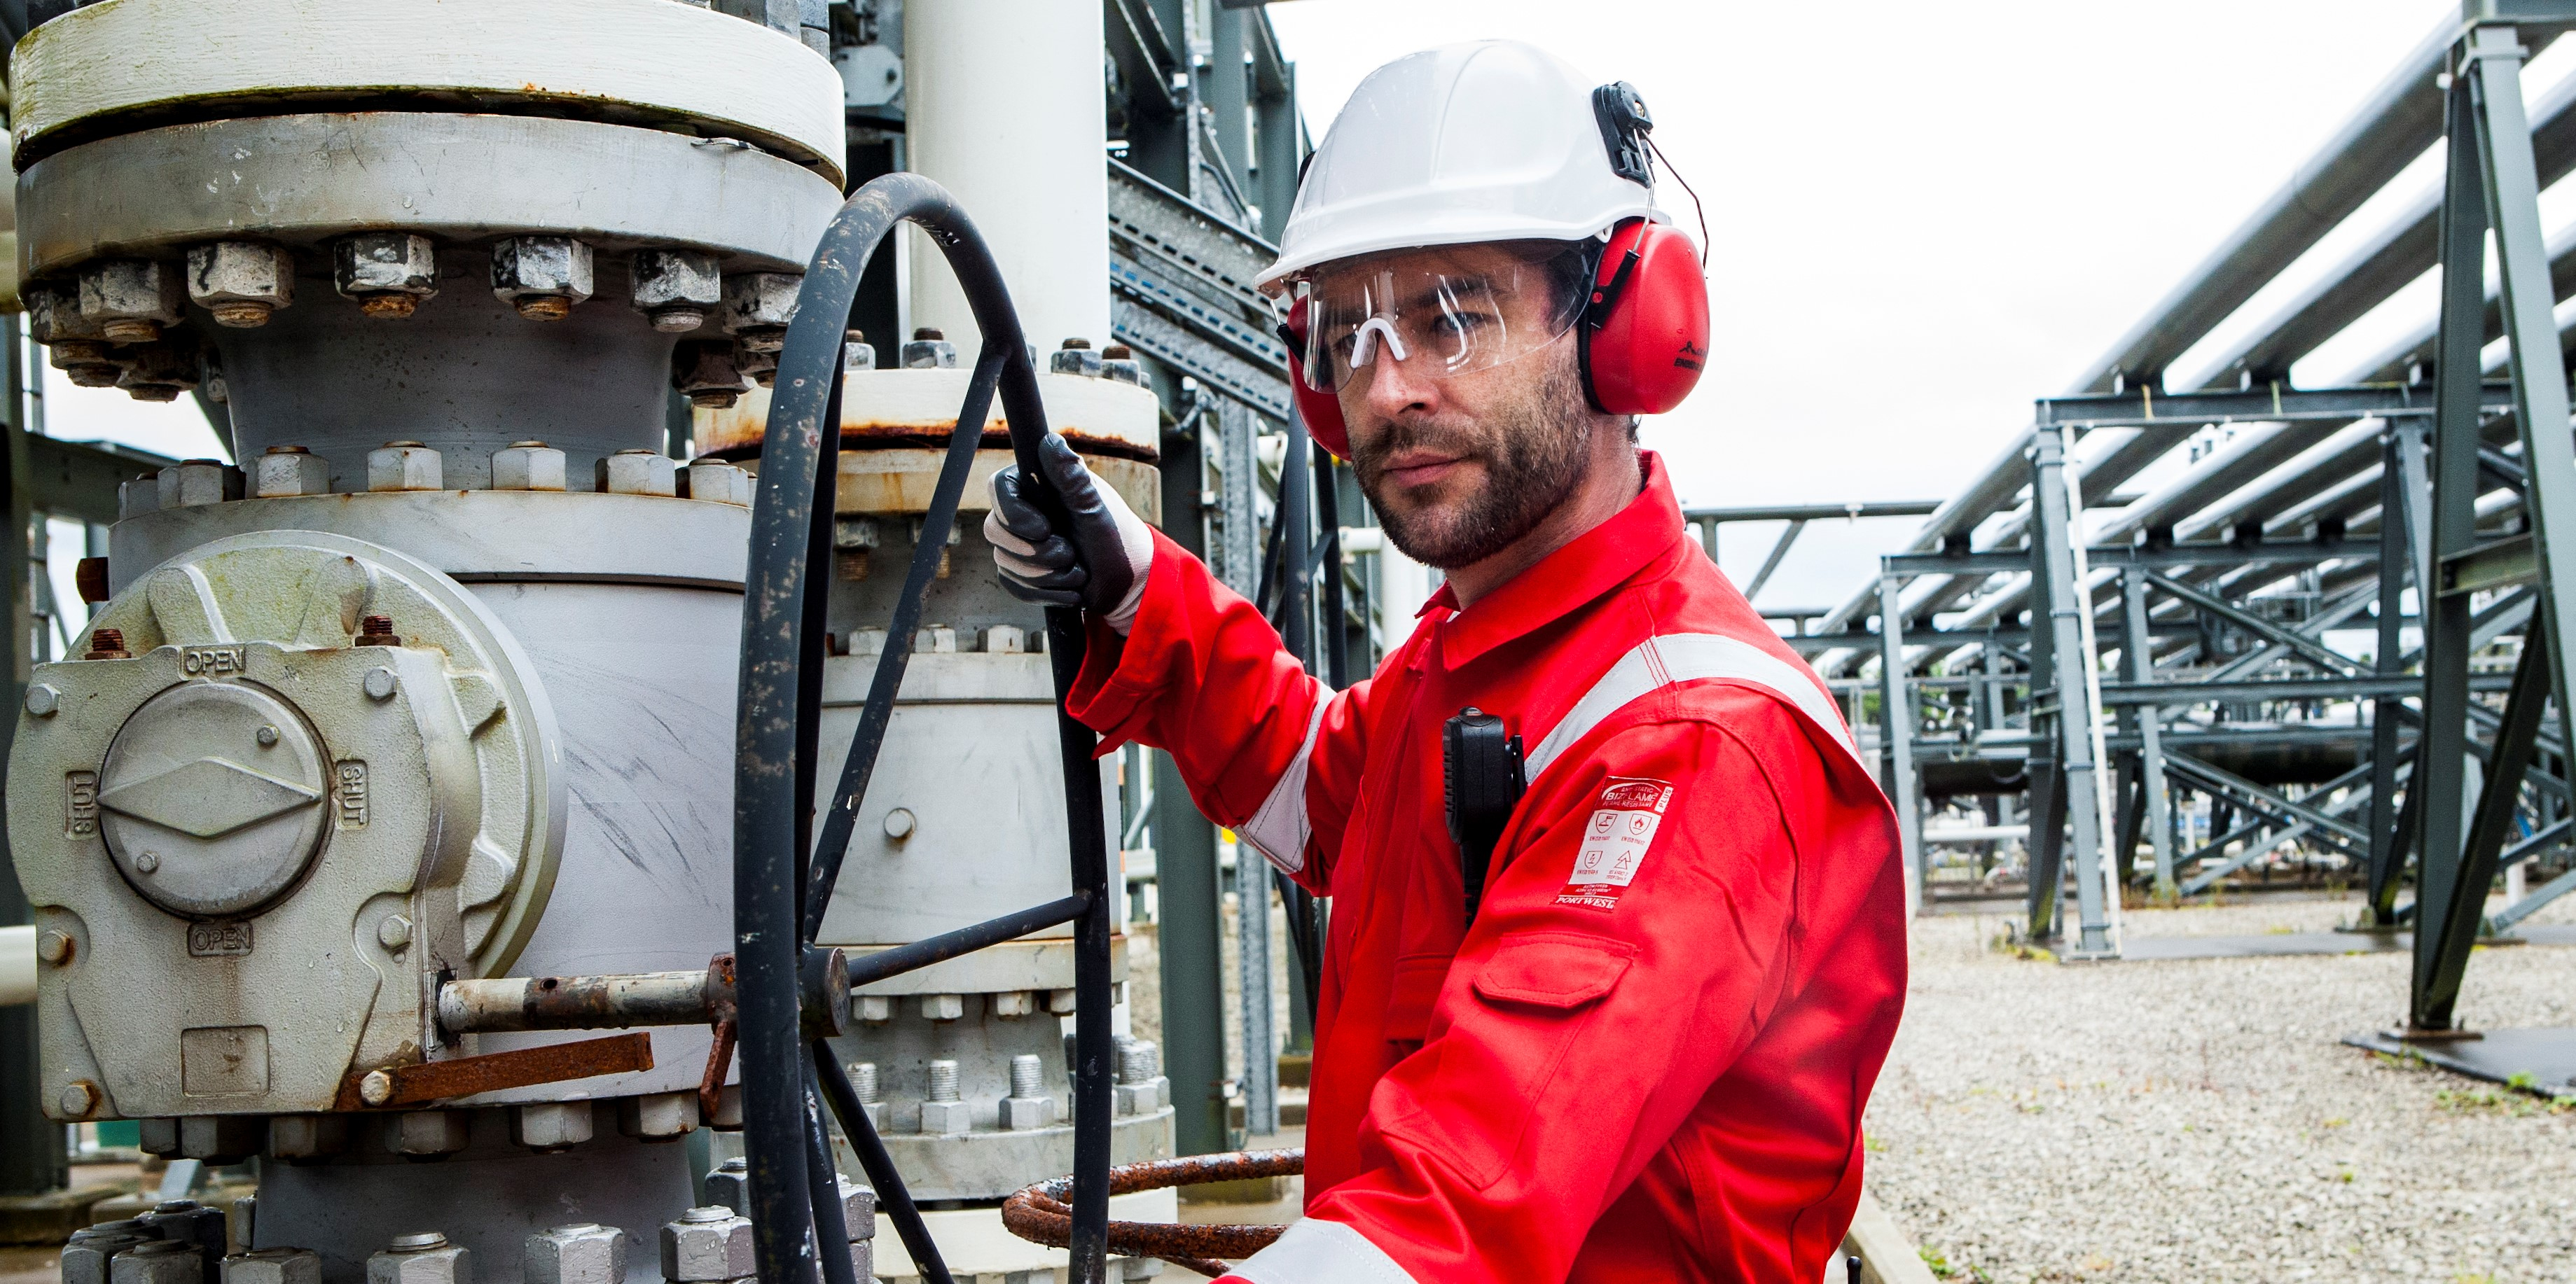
column 1098, row 565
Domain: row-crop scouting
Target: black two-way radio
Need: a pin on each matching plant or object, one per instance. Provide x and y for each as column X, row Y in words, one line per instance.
column 1483, row 769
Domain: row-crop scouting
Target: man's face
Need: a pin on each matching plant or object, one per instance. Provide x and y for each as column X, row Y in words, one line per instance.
column 1460, row 463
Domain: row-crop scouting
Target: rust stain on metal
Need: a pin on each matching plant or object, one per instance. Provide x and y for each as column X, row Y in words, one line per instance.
column 491, row 1072
column 1040, row 1215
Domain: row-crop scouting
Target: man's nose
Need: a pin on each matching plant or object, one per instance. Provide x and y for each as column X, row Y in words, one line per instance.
column 1394, row 386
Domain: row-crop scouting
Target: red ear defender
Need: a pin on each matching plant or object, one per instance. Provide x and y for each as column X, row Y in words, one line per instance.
column 1645, row 332
column 1321, row 410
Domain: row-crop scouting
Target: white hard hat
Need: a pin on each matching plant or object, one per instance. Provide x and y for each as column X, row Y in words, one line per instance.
column 1492, row 140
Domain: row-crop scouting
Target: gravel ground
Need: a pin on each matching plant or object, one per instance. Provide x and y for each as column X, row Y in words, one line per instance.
column 2197, row 1120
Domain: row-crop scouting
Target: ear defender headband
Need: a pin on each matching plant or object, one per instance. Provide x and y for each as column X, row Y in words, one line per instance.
column 1643, row 337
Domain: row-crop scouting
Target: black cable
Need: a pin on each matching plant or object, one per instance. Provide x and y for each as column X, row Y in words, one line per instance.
column 879, row 1166
column 860, row 765
column 773, row 751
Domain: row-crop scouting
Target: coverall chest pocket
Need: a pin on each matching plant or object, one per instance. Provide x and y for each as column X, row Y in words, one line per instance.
column 1498, row 1064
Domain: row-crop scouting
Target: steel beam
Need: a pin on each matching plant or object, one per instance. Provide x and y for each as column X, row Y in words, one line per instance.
column 2387, row 847
column 2452, row 906
column 2053, row 568
column 1896, row 717
column 2150, row 725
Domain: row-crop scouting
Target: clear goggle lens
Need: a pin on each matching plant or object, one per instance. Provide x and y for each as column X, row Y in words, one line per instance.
column 1438, row 313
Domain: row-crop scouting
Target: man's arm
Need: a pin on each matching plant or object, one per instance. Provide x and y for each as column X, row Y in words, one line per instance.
column 1266, row 749
column 1178, row 661
column 1642, row 935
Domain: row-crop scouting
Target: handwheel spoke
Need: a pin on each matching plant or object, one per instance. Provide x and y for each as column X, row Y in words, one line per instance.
column 879, row 1166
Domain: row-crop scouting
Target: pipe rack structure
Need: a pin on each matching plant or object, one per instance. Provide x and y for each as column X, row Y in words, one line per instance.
column 2318, row 591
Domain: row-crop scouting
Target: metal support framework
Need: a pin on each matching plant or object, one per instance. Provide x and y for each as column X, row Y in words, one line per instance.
column 2065, row 597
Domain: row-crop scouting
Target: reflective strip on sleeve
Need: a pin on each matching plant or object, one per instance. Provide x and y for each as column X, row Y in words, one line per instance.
column 1314, row 1251
column 1685, row 657
column 1278, row 829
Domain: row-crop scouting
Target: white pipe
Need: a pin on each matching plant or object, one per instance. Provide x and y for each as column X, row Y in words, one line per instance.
column 17, row 966
column 1004, row 108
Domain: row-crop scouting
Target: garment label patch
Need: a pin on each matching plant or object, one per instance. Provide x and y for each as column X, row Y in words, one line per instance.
column 1615, row 841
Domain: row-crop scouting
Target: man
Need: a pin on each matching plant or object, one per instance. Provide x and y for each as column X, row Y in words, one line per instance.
column 1638, row 1047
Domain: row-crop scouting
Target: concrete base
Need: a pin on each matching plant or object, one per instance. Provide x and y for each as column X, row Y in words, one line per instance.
column 2137, row 948
column 2547, row 1056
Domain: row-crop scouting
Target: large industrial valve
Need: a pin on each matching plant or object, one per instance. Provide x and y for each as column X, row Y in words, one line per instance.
column 295, row 774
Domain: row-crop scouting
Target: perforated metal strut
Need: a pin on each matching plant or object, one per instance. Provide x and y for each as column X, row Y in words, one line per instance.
column 778, row 892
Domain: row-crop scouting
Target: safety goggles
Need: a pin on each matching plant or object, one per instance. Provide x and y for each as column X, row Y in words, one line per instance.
column 1438, row 312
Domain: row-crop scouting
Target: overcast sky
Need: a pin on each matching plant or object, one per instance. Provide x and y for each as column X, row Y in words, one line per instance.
column 1923, row 216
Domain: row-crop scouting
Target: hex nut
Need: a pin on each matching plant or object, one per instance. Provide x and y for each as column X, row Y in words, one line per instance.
column 857, row 353
column 198, row 481
column 1139, row 1098
column 85, row 1258
column 875, row 1009
column 1014, row 1004
column 78, row 1099
column 428, row 1134
column 422, row 1258
column 542, row 276
column 704, row 371
column 131, row 299
column 929, row 350
column 528, row 465
column 376, row 1087
column 658, row 1116
column 1060, row 1002
column 730, row 1185
column 677, row 289
column 636, row 472
column 705, row 1244
column 158, row 371
column 718, row 482
column 942, row 1007
column 588, row 1253
column 307, row 1136
column 222, row 1139
column 388, row 273
column 274, row 1266
column 1005, row 639
column 758, row 307
column 858, row 1208
column 159, row 1261
column 241, row 282
column 946, row 1118
column 1022, row 1113
column 54, row 314
column 1074, row 358
column 157, row 1137
column 287, row 471
column 551, row 1126
column 403, row 465
column 759, row 364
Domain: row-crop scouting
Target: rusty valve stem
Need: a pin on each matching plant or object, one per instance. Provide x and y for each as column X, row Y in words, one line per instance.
column 703, row 996
column 378, row 630
column 107, row 644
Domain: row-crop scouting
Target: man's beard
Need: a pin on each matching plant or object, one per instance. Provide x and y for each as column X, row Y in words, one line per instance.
column 1533, row 455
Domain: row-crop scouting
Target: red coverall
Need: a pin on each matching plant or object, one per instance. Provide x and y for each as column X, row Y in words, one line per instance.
column 1648, row 1067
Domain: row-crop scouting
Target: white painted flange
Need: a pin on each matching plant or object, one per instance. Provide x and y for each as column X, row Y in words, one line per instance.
column 636, row 61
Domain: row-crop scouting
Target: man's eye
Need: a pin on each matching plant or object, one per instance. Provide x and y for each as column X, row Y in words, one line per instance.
column 1459, row 325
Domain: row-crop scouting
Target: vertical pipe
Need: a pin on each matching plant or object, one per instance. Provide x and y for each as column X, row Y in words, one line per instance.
column 1229, row 99
column 1005, row 110
column 1278, row 155
column 1896, row 717
column 2151, row 723
column 2440, row 774
column 1190, row 933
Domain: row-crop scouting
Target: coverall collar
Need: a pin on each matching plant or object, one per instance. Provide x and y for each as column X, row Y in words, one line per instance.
column 1572, row 577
